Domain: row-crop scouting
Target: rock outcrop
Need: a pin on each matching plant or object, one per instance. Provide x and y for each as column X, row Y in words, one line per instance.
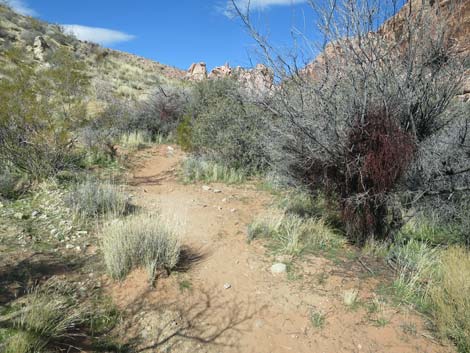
column 221, row 71
column 197, row 72
column 40, row 48
column 257, row 81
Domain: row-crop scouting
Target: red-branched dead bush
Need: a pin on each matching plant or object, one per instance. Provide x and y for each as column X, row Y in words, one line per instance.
column 378, row 154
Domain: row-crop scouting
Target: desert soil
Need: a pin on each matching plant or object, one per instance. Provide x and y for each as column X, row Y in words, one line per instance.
column 224, row 298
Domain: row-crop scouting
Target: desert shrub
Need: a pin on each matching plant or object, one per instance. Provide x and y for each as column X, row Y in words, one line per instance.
column 39, row 110
column 140, row 241
column 184, row 134
column 44, row 320
column 225, row 126
column 450, row 297
column 201, row 169
column 93, row 198
column 354, row 122
column 294, row 235
column 161, row 113
column 12, row 185
column 102, row 133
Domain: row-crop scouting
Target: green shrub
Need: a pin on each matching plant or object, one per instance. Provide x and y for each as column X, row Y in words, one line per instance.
column 184, row 134
column 201, row 169
column 94, row 199
column 39, row 111
column 225, row 126
column 140, row 241
column 12, row 185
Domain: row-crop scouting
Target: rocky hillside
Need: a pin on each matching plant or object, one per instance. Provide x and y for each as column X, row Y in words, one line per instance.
column 126, row 74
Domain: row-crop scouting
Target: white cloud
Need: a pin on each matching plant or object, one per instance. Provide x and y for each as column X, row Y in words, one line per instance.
column 21, row 7
column 256, row 5
column 98, row 35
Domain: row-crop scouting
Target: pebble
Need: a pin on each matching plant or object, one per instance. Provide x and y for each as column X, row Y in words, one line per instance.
column 34, row 214
column 217, row 191
column 69, row 246
column 206, row 188
column 227, row 286
column 233, row 210
column 278, row 268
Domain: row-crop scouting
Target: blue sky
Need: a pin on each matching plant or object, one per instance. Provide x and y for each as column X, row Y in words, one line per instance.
column 176, row 32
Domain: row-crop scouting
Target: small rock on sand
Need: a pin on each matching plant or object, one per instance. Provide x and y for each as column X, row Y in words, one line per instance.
column 278, row 268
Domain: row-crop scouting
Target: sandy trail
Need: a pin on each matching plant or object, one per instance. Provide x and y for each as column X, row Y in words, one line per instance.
column 192, row 311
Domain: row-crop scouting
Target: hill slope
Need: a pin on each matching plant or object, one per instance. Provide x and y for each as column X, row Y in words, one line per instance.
column 126, row 74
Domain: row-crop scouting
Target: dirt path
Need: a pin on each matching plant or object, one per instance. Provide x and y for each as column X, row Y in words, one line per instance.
column 193, row 311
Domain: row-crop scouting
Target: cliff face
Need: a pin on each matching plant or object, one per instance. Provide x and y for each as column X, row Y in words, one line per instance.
column 455, row 17
column 455, row 13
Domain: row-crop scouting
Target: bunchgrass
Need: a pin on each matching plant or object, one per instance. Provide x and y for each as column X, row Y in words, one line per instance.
column 140, row 241
column 93, row 198
column 449, row 297
column 198, row 169
column 135, row 140
column 48, row 317
column 294, row 235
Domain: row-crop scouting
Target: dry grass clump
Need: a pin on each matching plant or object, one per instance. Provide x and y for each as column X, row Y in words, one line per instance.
column 350, row 297
column 198, row 169
column 140, row 241
column 450, row 297
column 291, row 234
column 135, row 140
column 416, row 265
column 93, row 198
column 48, row 317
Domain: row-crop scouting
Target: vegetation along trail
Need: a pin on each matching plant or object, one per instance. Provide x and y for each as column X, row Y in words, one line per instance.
column 224, row 296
